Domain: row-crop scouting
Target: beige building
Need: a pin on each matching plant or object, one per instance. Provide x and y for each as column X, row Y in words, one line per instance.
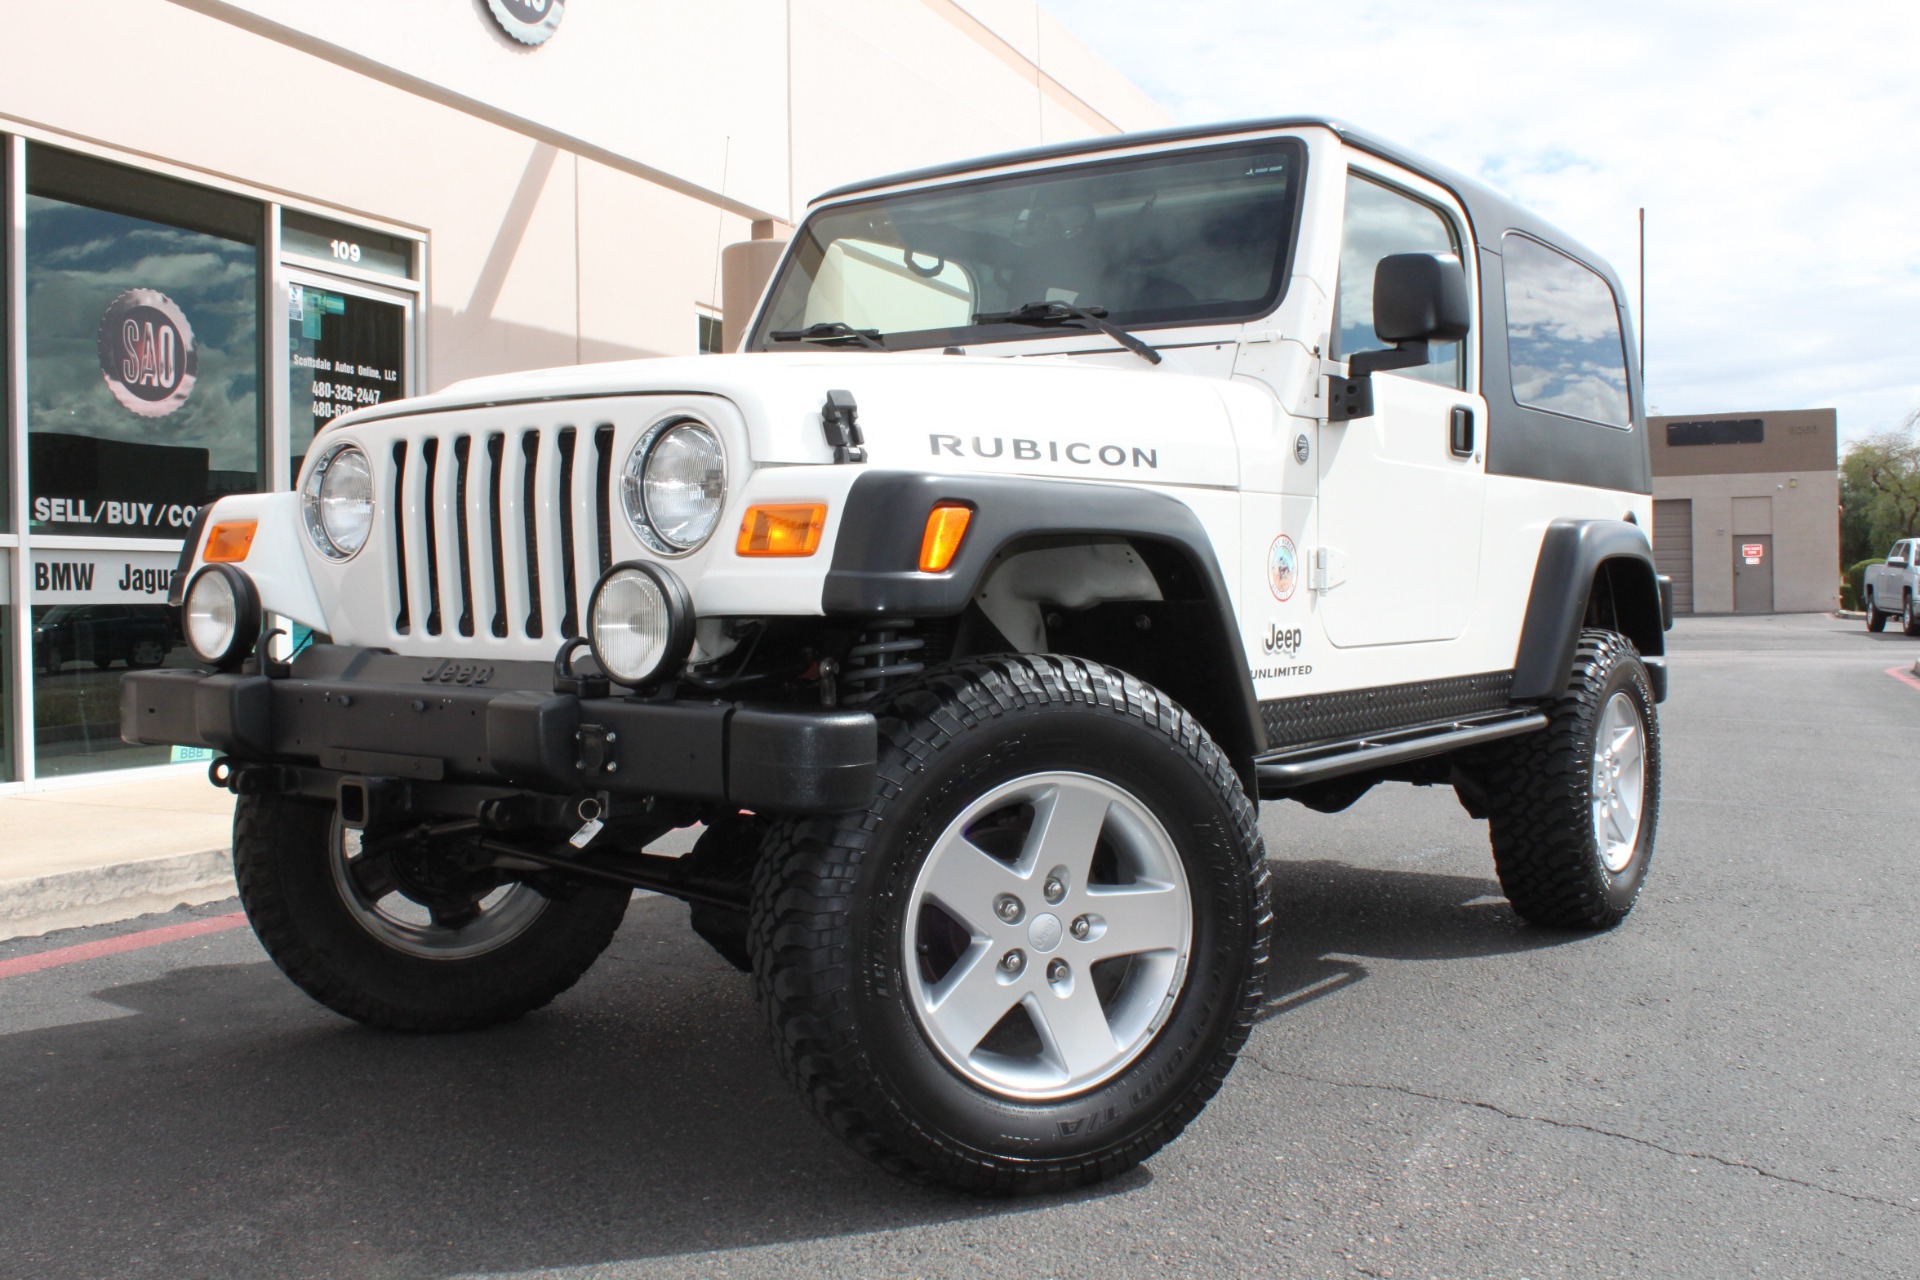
column 1746, row 510
column 229, row 221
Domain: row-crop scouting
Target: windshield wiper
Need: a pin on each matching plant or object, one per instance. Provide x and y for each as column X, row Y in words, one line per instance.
column 1043, row 314
column 832, row 333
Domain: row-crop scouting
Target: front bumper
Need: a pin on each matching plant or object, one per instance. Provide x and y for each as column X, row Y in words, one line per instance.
column 373, row 713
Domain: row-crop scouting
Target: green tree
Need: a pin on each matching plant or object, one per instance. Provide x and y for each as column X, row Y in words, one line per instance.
column 1880, row 491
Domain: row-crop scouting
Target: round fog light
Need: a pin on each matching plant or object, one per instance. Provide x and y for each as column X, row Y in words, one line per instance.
column 640, row 623
column 220, row 615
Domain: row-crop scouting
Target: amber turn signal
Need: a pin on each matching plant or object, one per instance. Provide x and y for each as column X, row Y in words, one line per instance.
column 946, row 526
column 229, row 541
column 790, row 529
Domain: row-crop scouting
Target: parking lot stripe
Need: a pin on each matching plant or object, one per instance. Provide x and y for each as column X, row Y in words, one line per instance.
column 1904, row 675
column 22, row 965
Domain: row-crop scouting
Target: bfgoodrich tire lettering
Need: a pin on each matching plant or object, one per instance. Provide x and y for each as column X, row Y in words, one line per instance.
column 829, row 924
column 283, row 860
column 1540, row 791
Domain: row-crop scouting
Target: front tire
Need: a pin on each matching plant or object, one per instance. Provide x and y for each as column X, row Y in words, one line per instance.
column 1876, row 620
column 347, row 933
column 1033, row 958
column 1573, row 808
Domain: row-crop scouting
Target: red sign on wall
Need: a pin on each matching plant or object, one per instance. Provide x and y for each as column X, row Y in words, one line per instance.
column 1753, row 550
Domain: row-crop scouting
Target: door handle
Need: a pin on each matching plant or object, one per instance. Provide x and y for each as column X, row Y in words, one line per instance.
column 1460, row 432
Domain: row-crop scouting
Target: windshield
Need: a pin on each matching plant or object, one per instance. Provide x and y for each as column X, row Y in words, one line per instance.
column 1166, row 239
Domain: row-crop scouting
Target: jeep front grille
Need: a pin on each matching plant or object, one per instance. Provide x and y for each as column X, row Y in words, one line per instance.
column 494, row 534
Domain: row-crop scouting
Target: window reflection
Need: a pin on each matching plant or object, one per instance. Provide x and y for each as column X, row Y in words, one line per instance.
column 143, row 359
column 1564, row 345
column 80, row 651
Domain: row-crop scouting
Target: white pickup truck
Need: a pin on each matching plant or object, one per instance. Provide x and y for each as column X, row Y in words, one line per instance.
column 1890, row 588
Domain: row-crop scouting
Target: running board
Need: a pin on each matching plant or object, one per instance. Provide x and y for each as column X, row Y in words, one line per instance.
column 1306, row 765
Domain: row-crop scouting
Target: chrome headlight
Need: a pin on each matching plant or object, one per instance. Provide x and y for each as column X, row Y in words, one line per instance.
column 338, row 502
column 640, row 623
column 221, row 615
column 674, row 485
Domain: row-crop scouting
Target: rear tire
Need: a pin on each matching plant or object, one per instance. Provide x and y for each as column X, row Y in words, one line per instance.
column 881, row 939
column 1572, row 809
column 1909, row 623
column 386, row 973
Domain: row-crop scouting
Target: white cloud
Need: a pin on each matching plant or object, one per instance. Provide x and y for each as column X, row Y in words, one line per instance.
column 1771, row 144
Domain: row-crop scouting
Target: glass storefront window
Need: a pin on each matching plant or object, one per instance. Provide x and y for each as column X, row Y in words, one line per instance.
column 143, row 348
column 143, row 392
column 8, row 767
column 80, row 651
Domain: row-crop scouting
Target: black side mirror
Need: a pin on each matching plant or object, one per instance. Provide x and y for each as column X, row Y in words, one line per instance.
column 1418, row 298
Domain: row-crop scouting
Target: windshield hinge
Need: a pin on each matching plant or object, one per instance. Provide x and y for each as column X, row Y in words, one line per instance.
column 840, row 418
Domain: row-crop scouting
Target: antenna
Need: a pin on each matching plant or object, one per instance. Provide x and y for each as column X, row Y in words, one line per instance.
column 1643, row 300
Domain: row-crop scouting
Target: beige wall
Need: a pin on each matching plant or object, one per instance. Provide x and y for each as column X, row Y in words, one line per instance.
column 575, row 196
column 1794, row 440
column 1803, row 509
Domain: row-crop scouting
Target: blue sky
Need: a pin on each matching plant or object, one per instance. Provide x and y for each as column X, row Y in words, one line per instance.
column 1775, row 146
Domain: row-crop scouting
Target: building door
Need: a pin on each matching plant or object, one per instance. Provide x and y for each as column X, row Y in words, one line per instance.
column 1753, row 573
column 348, row 347
column 1673, row 547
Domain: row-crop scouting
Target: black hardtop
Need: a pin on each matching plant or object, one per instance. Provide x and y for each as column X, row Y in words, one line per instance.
column 1492, row 214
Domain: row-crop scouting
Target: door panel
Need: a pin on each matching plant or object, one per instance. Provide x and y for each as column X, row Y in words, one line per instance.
column 1399, row 513
column 1753, row 574
column 1404, row 515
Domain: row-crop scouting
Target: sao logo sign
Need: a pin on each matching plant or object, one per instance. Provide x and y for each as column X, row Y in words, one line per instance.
column 528, row 21
column 147, row 353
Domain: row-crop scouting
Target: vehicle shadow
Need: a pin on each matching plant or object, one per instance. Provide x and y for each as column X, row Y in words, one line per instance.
column 227, row 1126
column 1330, row 917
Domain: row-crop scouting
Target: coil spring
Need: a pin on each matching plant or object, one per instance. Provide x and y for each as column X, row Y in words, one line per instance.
column 881, row 657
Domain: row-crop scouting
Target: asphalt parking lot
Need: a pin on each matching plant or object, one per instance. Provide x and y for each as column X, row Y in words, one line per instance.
column 1728, row 1085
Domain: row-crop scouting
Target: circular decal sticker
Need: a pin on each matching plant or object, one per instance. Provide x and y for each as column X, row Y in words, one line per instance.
column 1282, row 563
column 147, row 354
column 528, row 21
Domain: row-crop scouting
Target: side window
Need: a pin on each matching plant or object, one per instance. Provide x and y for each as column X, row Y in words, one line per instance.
column 1381, row 221
column 1564, row 346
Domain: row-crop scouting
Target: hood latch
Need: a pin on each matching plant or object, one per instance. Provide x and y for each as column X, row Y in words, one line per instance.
column 840, row 419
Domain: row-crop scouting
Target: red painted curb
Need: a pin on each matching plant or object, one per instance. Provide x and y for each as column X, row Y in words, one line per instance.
column 39, row 960
column 1904, row 676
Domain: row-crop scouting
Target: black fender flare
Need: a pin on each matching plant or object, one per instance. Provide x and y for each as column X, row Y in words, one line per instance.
column 876, row 565
column 1574, row 554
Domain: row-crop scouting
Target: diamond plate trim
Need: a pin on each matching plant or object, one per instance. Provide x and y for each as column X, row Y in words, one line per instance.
column 1354, row 713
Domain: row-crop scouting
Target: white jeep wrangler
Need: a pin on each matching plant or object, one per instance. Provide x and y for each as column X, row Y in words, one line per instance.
column 1062, row 506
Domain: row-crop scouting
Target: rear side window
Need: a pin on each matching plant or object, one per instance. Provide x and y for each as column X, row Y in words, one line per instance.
column 1564, row 346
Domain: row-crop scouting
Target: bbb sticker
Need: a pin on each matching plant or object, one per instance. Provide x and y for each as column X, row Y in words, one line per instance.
column 1282, row 568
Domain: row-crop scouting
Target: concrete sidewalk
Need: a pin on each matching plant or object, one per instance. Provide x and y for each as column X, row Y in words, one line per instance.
column 96, row 854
